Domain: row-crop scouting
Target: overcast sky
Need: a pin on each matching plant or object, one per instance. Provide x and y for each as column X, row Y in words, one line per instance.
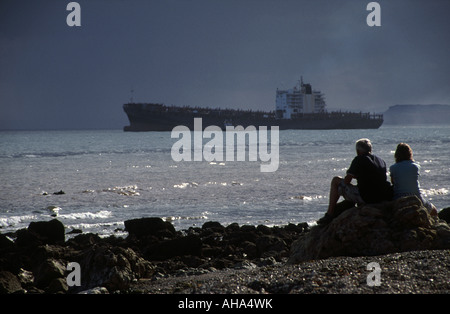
column 217, row 53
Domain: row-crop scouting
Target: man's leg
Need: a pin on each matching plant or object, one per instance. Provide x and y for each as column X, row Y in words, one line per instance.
column 334, row 197
column 339, row 188
column 334, row 194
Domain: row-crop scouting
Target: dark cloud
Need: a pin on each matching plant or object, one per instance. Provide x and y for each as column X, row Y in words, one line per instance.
column 224, row 53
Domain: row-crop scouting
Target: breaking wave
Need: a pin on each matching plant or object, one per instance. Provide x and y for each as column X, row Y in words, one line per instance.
column 103, row 214
column 433, row 192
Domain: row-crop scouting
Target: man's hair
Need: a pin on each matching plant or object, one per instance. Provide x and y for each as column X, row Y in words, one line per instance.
column 403, row 152
column 364, row 146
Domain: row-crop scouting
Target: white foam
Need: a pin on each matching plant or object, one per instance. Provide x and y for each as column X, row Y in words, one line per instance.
column 103, row 214
column 306, row 198
column 185, row 185
column 175, row 218
column 129, row 190
column 16, row 220
column 430, row 192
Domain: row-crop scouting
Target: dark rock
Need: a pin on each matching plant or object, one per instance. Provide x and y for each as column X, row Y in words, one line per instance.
column 293, row 228
column 343, row 206
column 248, row 228
column 250, row 249
column 189, row 245
column 221, row 263
column 26, row 238
column 5, row 243
column 96, row 290
column 211, row 251
column 232, row 227
column 212, row 239
column 50, row 232
column 9, row 283
column 48, row 271
column 111, row 267
column 26, row 278
column 238, row 237
column 214, row 225
column 266, row 261
column 58, row 285
column 374, row 229
column 304, row 227
column 410, row 213
column 192, row 261
column 45, row 253
column 39, row 256
column 444, row 214
column 84, row 241
column 269, row 243
column 149, row 226
column 264, row 229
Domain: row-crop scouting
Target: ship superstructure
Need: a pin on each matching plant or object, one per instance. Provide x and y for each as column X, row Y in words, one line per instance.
column 301, row 99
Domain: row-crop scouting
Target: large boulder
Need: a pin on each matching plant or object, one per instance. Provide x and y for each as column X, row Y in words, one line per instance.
column 154, row 226
column 445, row 214
column 9, row 283
column 49, row 232
column 111, row 267
column 41, row 232
column 48, row 271
column 374, row 229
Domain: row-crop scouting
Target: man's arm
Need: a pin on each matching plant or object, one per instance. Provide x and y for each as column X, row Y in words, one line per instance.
column 353, row 170
column 348, row 178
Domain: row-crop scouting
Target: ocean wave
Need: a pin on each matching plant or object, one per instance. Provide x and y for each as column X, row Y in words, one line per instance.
column 185, row 185
column 16, row 220
column 431, row 192
column 85, row 152
column 217, row 163
column 233, row 183
column 203, row 216
column 103, row 229
column 306, row 198
column 46, row 154
column 103, row 214
column 128, row 190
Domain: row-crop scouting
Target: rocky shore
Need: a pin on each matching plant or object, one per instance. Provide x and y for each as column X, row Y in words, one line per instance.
column 411, row 249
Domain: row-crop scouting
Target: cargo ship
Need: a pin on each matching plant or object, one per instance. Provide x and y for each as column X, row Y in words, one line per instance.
column 300, row 107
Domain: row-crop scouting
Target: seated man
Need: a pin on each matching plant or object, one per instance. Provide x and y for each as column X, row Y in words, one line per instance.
column 370, row 173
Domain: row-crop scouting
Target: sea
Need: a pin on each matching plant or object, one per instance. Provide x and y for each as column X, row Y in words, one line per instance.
column 94, row 180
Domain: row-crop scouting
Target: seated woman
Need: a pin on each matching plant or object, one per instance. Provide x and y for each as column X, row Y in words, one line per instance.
column 405, row 176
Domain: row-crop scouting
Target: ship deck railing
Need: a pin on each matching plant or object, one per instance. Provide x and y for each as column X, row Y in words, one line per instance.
column 156, row 107
column 203, row 110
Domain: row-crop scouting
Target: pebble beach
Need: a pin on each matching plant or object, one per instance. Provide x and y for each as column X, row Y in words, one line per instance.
column 417, row 272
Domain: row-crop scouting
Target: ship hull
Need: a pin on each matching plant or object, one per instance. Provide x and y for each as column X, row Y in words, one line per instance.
column 144, row 118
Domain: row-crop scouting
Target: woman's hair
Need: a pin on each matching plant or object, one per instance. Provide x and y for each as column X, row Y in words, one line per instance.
column 403, row 152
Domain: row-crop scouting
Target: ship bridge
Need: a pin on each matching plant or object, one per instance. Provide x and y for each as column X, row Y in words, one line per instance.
column 301, row 99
